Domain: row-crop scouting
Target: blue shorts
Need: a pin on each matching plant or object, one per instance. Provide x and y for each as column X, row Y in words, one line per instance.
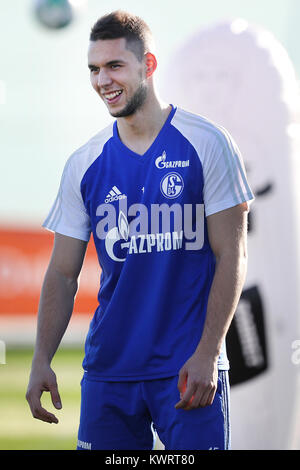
column 127, row 415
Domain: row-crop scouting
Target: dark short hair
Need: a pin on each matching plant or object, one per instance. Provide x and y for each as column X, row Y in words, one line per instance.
column 121, row 24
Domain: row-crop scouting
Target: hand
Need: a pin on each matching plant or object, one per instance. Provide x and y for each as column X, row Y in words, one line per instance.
column 197, row 382
column 43, row 379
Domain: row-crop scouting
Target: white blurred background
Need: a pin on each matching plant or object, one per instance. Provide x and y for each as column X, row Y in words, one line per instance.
column 48, row 107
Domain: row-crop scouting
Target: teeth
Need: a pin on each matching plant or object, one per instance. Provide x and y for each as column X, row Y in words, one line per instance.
column 110, row 96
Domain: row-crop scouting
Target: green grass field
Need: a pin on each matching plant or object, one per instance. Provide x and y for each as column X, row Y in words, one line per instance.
column 18, row 429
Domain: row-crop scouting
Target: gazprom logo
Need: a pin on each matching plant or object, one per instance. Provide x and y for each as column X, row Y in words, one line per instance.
column 162, row 227
column 161, row 162
column 115, row 235
column 139, row 243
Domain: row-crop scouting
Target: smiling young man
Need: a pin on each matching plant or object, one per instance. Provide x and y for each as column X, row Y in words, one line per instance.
column 165, row 194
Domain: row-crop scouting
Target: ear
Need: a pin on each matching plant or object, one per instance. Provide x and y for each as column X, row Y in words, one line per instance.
column 151, row 64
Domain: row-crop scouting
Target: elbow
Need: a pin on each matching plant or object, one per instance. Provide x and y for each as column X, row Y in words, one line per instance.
column 234, row 260
column 243, row 262
column 243, row 255
column 237, row 253
column 69, row 282
column 73, row 286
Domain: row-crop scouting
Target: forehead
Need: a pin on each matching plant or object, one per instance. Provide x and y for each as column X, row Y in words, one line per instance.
column 103, row 51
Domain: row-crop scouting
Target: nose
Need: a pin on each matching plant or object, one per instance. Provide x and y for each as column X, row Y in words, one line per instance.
column 104, row 78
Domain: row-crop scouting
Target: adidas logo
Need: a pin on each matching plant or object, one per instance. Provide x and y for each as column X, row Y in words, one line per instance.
column 114, row 195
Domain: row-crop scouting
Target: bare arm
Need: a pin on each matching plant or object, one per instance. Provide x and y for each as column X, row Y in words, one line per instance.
column 55, row 310
column 227, row 232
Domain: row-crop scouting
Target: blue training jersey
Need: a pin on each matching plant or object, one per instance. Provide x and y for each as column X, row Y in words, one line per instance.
column 148, row 216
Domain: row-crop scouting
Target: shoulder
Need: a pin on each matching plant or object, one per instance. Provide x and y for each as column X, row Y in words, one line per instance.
column 86, row 154
column 200, row 130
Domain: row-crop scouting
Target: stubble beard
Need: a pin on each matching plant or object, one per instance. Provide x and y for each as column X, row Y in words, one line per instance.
column 134, row 103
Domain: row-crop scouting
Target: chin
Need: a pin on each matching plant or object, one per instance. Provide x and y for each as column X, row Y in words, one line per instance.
column 122, row 112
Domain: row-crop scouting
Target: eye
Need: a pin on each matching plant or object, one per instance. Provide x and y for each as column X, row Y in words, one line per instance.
column 94, row 69
column 115, row 66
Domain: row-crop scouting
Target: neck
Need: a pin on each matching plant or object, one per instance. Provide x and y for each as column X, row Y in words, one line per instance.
column 145, row 123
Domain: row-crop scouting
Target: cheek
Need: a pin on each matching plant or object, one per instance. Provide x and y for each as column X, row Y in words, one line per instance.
column 94, row 82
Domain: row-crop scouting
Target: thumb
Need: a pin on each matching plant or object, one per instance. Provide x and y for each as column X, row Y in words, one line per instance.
column 182, row 382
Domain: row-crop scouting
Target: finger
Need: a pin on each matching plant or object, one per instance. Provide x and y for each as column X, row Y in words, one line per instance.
column 207, row 397
column 55, row 397
column 203, row 396
column 211, row 397
column 41, row 413
column 195, row 400
column 187, row 397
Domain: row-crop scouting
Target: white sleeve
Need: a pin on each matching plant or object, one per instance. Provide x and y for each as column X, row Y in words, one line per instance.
column 68, row 214
column 225, row 180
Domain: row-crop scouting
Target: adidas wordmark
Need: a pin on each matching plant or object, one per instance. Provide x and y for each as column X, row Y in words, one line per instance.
column 114, row 195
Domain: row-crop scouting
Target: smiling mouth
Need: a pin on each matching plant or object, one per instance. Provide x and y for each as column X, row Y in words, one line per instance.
column 113, row 96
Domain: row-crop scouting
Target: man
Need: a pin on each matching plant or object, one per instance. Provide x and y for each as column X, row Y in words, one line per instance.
column 165, row 195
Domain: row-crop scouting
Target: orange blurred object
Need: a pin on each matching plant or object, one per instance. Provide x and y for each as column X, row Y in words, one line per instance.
column 24, row 257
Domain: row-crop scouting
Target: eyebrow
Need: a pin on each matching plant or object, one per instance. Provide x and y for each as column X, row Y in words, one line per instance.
column 111, row 62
